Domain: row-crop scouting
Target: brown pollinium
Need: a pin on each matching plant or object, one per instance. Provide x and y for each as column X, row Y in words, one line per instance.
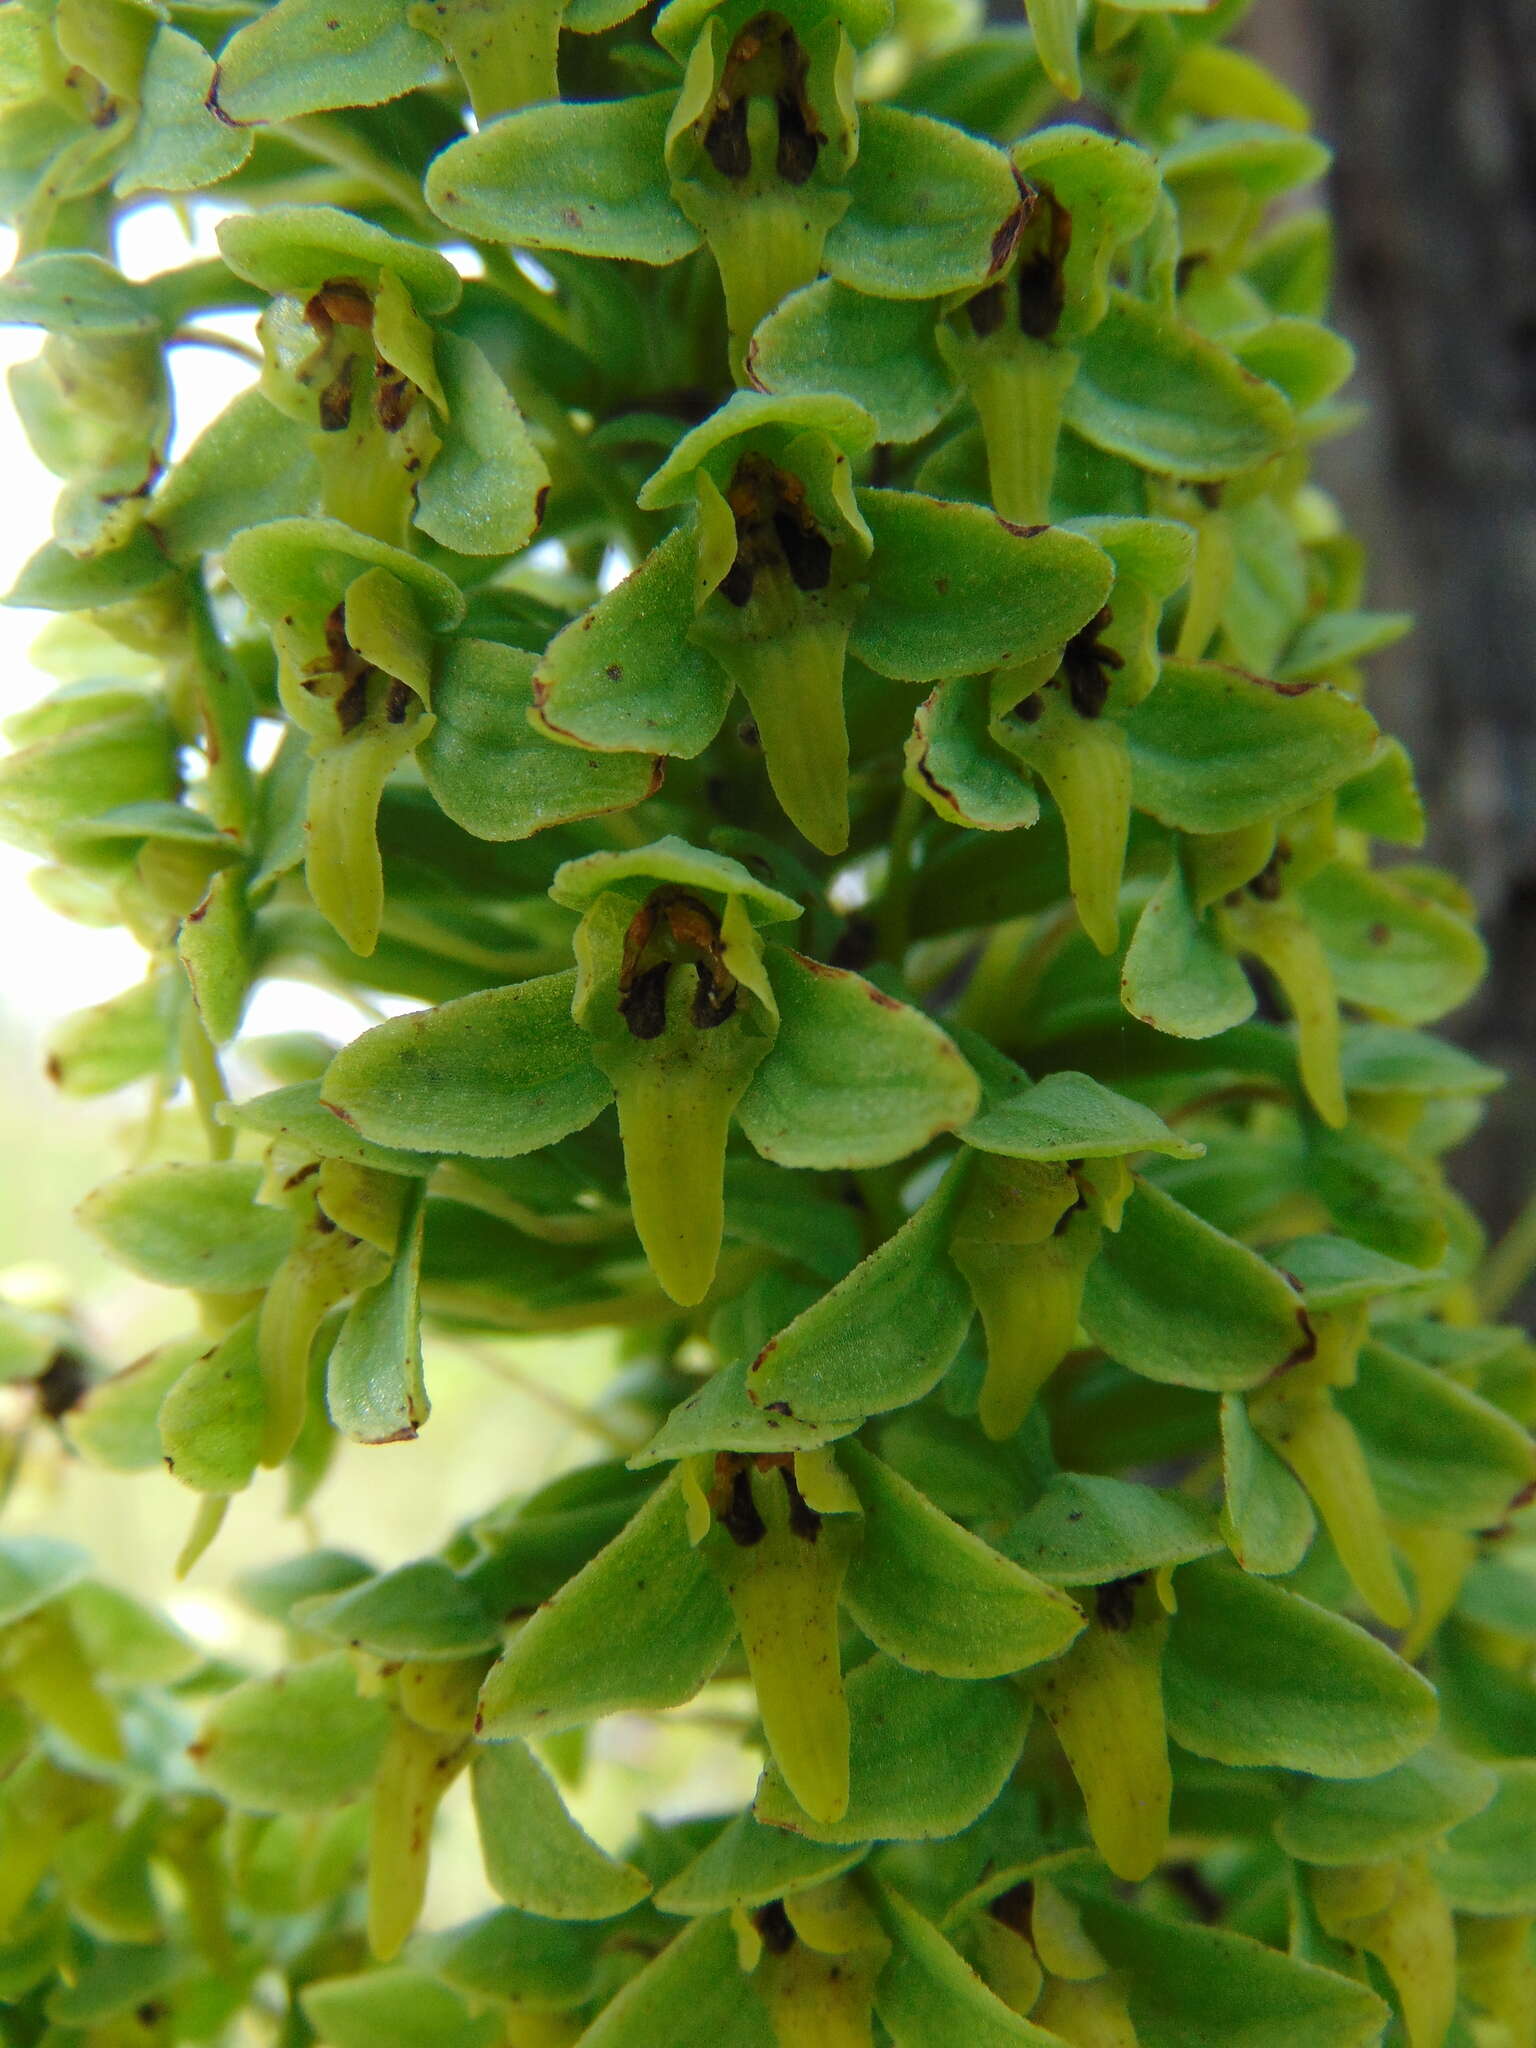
column 775, row 529
column 673, row 929
column 766, row 61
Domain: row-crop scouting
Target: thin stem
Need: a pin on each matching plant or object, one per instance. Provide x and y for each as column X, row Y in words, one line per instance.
column 893, row 913
column 557, row 1404
column 205, row 337
column 1511, row 1262
column 205, row 1077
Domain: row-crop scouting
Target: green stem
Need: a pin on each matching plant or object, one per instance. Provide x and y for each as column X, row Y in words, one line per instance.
column 200, row 1064
column 1511, row 1262
column 893, row 913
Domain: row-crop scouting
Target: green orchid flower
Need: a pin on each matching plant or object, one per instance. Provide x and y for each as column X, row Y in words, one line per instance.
column 677, row 1010
column 784, row 567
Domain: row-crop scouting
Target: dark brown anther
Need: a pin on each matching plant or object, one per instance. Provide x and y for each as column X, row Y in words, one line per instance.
column 1041, row 278
column 806, row 550
column 643, row 1005
column 1268, row 883
column 774, row 1927
column 352, row 704
column 1014, row 1907
column 804, row 1521
column 397, row 702
column 1028, row 709
column 725, row 141
column 393, row 397
column 1115, row 1603
column 712, row 1004
column 736, row 584
column 740, row 1518
column 987, row 311
column 1084, row 661
column 343, row 302
column 799, row 143
column 336, row 399
column 62, row 1384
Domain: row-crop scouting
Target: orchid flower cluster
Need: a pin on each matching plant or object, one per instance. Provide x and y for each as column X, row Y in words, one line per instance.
column 766, row 601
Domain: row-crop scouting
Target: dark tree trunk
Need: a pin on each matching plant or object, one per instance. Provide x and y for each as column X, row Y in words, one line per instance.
column 1431, row 107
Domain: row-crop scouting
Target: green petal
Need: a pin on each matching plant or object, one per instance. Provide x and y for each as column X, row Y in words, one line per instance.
column 483, row 493
column 191, row 1226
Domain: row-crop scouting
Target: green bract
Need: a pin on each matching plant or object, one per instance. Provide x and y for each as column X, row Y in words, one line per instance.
column 762, row 614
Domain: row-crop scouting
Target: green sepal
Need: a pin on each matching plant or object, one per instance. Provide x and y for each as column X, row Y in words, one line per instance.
column 303, row 56
column 497, row 775
column 1066, row 1117
column 1485, row 1864
column 929, row 1755
column 1178, row 977
column 1164, row 397
column 1429, row 960
column 35, row 1569
column 178, row 144
column 1364, row 1820
column 1214, row 749
column 420, row 1611
column 965, row 230
column 954, row 590
column 297, row 249
column 191, row 1226
column 1087, row 1529
column 1437, row 1451
column 1256, row 1675
column 880, row 352
column 536, row 1857
column 68, row 291
column 296, row 1114
column 484, row 489
column 653, row 1603
column 1187, row 1983
column 934, row 1596
column 493, row 1075
column 1176, row 1300
column 374, row 1390
column 957, row 767
column 855, row 1078
column 692, row 1995
column 882, row 1337
column 748, row 1864
column 588, row 178
column 625, row 677
column 211, row 1420
column 1266, row 1517
column 299, row 1742
column 927, row 1992
column 130, row 1036
column 406, row 2007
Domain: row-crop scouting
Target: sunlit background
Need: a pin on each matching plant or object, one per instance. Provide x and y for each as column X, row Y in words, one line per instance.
column 504, row 1419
